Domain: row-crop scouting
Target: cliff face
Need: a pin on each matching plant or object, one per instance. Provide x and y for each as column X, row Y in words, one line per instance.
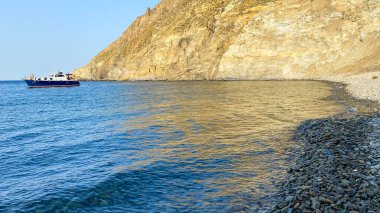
column 244, row 39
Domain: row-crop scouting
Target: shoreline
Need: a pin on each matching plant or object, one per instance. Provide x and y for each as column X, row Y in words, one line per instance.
column 337, row 165
column 350, row 178
column 361, row 86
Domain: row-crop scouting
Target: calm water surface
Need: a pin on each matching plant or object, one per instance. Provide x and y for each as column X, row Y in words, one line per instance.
column 150, row 146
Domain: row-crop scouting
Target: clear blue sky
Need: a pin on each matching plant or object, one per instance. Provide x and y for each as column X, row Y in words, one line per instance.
column 44, row 36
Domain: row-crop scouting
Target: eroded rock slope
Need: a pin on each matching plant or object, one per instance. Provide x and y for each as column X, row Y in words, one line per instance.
column 244, row 39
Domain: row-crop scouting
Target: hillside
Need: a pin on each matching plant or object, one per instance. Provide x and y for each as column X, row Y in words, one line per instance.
column 244, row 39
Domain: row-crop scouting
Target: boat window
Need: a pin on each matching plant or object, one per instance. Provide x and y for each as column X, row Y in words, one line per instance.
column 39, row 79
column 51, row 78
column 45, row 78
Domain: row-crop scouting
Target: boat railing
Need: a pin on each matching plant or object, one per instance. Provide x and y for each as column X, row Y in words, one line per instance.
column 31, row 77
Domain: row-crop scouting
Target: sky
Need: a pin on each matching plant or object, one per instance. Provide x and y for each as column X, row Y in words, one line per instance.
column 41, row 37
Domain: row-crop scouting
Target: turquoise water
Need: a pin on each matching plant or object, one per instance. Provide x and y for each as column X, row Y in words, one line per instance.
column 150, row 146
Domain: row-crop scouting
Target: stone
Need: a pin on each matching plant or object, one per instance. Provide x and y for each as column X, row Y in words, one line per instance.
column 304, row 187
column 339, row 190
column 315, row 204
column 296, row 206
column 345, row 183
column 289, row 199
column 282, row 205
column 325, row 200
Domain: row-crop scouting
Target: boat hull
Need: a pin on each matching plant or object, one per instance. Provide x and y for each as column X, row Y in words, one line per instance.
column 40, row 84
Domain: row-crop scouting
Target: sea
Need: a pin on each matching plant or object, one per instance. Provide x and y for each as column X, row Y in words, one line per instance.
column 201, row 146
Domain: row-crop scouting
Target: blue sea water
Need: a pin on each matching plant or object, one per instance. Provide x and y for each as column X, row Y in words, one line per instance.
column 150, row 146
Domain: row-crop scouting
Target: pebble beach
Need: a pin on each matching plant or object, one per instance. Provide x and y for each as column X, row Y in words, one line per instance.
column 362, row 86
column 337, row 166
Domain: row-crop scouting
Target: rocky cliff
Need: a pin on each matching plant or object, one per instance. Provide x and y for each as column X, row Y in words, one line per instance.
column 244, row 39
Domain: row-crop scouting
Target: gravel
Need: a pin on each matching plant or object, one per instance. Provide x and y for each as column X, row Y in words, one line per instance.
column 337, row 169
column 363, row 86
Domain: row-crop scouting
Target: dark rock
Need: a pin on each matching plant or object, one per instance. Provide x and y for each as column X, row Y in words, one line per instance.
column 339, row 190
column 315, row 204
column 304, row 187
column 325, row 200
column 289, row 199
column 282, row 204
column 345, row 183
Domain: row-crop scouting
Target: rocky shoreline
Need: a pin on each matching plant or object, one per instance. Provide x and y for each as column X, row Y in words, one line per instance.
column 337, row 168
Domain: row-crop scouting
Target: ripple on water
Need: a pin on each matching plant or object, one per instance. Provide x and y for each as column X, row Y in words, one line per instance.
column 162, row 146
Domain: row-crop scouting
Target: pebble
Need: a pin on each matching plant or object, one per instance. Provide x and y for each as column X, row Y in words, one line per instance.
column 315, row 204
column 325, row 200
column 345, row 183
column 289, row 199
